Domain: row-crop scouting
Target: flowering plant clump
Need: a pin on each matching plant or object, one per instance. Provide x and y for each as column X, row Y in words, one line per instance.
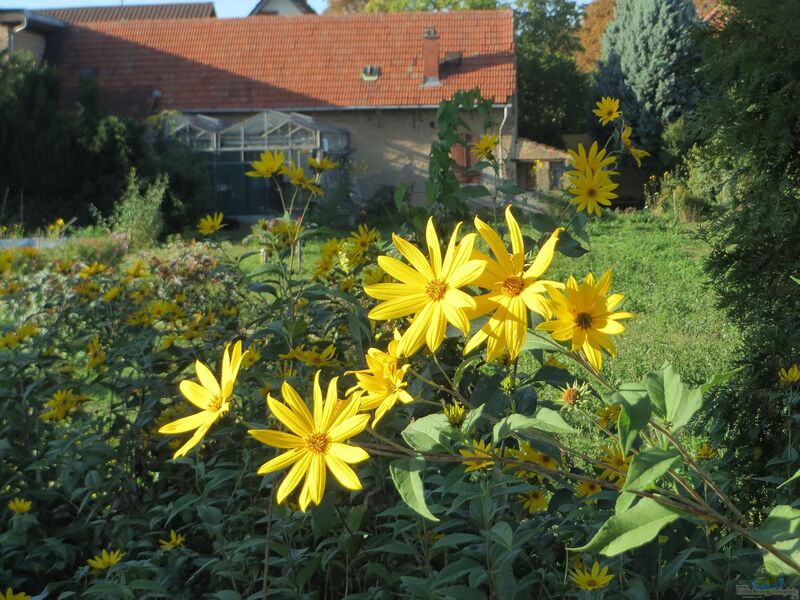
column 425, row 411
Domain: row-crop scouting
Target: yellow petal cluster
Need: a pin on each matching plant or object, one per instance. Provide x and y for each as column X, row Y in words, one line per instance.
column 316, row 442
column 210, row 396
column 607, row 110
column 593, row 579
column 210, row 224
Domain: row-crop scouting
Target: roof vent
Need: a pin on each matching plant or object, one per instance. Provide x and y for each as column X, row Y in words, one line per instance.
column 370, row 72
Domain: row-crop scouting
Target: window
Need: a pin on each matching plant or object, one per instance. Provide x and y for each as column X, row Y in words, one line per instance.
column 370, row 72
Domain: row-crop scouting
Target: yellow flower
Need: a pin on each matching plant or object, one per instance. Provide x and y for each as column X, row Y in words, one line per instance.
column 25, row 331
column 87, row 290
column 591, row 580
column 637, row 153
column 514, row 290
column 211, row 397
column 322, row 164
column 105, row 560
column 12, row 287
column 534, row 501
column 608, row 415
column 210, row 224
column 616, row 464
column 479, row 456
column 135, row 271
column 60, row 404
column 429, row 291
column 372, row 274
column 251, row 357
column 297, row 176
column 10, row 594
column 607, row 110
column 112, row 293
column 484, row 148
column 572, row 394
column 20, row 505
column 587, row 488
column 166, row 343
column 455, row 413
column 92, row 270
column 528, row 454
column 704, row 452
column 8, row 339
column 269, row 164
column 382, row 383
column 583, row 315
column 585, row 163
column 316, row 443
column 95, row 353
column 175, row 540
column 790, row 375
column 591, row 190
column 310, row 357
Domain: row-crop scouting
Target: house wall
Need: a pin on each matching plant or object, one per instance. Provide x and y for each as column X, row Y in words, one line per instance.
column 392, row 146
column 32, row 42
column 3, row 38
column 281, row 7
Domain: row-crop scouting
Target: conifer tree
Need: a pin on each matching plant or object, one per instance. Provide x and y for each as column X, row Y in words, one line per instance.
column 648, row 60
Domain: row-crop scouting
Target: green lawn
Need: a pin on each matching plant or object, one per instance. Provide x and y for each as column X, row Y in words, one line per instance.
column 657, row 265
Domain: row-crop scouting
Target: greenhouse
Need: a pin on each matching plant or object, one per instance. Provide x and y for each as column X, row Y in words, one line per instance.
column 230, row 146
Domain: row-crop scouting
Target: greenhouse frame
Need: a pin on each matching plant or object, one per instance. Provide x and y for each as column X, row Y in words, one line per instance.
column 230, row 146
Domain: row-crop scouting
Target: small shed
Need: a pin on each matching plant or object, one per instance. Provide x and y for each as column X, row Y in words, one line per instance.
column 539, row 166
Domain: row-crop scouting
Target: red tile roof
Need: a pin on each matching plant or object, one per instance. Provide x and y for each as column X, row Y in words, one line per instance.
column 292, row 62
column 193, row 10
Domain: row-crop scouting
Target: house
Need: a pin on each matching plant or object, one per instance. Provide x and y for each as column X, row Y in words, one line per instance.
column 539, row 166
column 365, row 86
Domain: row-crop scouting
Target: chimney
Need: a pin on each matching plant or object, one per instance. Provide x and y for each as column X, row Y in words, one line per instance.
column 430, row 57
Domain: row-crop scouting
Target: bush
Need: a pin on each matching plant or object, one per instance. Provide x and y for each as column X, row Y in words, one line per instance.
column 137, row 213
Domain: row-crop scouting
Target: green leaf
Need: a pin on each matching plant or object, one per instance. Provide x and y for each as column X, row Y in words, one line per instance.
column 545, row 419
column 569, row 246
column 471, row 419
column 680, row 402
column 539, row 342
column 781, row 529
column 647, row 466
column 399, row 196
column 428, row 433
column 452, row 540
column 634, row 415
column 405, row 473
column 509, row 189
column 542, row 222
column 502, row 533
column 792, row 478
column 719, row 379
column 624, row 502
column 631, row 529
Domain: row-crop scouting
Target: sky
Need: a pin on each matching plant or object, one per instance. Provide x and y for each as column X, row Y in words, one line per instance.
column 225, row 8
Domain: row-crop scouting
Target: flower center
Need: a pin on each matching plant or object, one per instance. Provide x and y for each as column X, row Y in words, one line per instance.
column 512, row 286
column 318, row 442
column 591, row 192
column 215, row 404
column 436, row 289
column 583, row 320
column 591, row 582
column 570, row 396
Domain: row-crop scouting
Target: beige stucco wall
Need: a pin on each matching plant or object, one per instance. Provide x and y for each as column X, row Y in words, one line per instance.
column 3, row 38
column 32, row 42
column 392, row 146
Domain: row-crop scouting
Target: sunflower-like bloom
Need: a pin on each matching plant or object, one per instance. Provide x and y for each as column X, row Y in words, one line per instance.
column 790, row 375
column 705, row 452
column 616, row 464
column 382, row 384
column 105, row 560
column 594, row 160
column 637, row 153
column 297, row 176
column 527, row 454
column 587, row 488
column 484, row 147
column 210, row 224
column 583, row 315
column 455, row 413
column 591, row 190
column 591, row 580
column 269, row 164
column 322, row 164
column 429, row 291
column 19, row 505
column 479, row 456
column 513, row 289
column 316, row 442
column 10, row 594
column 211, row 397
column 607, row 110
column 607, row 416
column 534, row 501
column 176, row 540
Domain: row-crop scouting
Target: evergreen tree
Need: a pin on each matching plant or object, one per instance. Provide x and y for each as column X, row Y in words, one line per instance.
column 649, row 56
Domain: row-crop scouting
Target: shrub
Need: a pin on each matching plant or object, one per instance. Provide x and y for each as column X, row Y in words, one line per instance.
column 137, row 213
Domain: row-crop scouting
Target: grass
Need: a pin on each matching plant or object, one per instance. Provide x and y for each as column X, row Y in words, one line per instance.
column 657, row 265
